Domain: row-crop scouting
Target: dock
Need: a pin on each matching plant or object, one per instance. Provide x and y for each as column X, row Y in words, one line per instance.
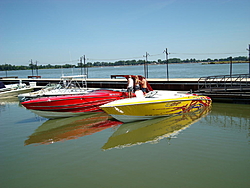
column 180, row 84
column 224, row 88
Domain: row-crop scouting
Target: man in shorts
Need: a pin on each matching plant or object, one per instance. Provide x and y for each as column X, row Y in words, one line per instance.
column 130, row 86
column 144, row 85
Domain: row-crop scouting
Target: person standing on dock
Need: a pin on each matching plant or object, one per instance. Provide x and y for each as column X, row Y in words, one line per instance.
column 130, row 86
column 144, row 85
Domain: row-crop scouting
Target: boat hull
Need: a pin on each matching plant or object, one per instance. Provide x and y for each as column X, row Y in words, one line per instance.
column 54, row 115
column 73, row 105
column 70, row 104
column 15, row 92
column 132, row 110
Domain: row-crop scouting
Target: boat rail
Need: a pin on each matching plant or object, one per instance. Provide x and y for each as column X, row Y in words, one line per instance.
column 79, row 81
column 224, row 82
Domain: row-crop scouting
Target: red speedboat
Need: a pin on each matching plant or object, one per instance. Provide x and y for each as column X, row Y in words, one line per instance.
column 72, row 105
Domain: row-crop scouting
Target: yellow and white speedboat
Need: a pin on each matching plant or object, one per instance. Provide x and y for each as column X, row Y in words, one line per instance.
column 161, row 103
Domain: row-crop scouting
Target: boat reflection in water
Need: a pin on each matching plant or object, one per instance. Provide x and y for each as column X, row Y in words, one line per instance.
column 11, row 99
column 153, row 130
column 70, row 128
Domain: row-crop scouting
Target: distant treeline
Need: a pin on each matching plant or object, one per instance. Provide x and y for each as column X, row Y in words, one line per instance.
column 5, row 67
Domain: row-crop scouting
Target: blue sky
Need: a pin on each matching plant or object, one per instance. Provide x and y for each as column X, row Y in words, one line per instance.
column 60, row 31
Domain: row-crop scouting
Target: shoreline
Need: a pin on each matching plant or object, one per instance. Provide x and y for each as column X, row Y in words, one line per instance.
column 202, row 63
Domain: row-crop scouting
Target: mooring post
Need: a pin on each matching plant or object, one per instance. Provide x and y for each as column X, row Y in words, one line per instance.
column 249, row 59
column 231, row 67
column 146, row 65
column 81, row 64
column 31, row 63
column 167, row 63
column 84, row 65
column 36, row 69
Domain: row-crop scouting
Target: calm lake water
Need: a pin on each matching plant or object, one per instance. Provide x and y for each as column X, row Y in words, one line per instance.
column 93, row 151
column 207, row 149
column 188, row 70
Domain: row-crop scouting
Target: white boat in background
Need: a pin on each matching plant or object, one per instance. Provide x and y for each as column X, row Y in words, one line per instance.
column 155, row 104
column 13, row 90
column 68, row 85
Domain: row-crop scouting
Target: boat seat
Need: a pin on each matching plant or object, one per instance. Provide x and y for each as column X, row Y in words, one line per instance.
column 139, row 94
